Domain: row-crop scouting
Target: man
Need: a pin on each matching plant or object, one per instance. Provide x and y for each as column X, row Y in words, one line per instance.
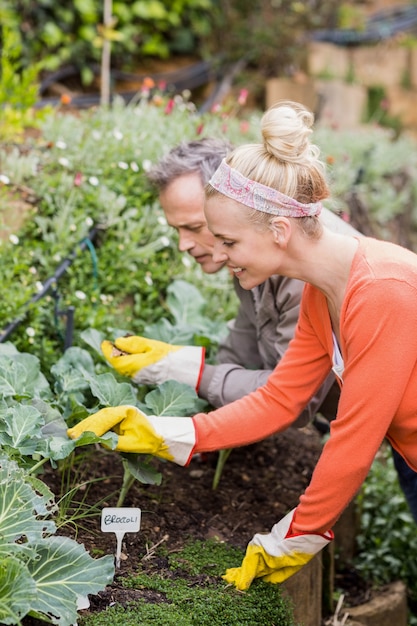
column 267, row 315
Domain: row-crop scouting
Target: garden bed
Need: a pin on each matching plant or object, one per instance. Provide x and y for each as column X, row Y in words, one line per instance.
column 259, row 484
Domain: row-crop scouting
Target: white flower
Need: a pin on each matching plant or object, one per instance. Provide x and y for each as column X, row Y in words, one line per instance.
column 80, row 294
column 73, row 228
column 89, row 221
column 57, row 257
column 148, row 280
column 14, row 239
column 33, row 270
column 4, row 179
column 186, row 261
column 123, row 165
column 63, row 161
column 93, row 180
column 147, row 165
column 105, row 298
column 134, row 166
column 165, row 241
column 38, row 285
column 31, row 332
column 162, row 220
column 61, row 144
column 117, row 134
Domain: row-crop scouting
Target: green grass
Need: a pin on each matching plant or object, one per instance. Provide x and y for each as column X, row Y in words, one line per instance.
column 191, row 592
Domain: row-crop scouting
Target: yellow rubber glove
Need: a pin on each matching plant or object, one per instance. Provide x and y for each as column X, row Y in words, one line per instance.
column 152, row 362
column 276, row 556
column 171, row 438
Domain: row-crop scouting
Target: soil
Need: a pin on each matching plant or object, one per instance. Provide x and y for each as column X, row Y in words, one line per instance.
column 259, row 484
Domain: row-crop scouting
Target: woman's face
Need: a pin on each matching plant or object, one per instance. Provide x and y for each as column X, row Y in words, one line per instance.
column 250, row 251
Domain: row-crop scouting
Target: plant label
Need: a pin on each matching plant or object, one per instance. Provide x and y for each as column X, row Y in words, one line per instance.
column 124, row 519
column 83, row 602
column 120, row 520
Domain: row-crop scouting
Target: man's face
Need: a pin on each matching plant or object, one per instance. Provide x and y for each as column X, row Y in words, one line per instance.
column 183, row 205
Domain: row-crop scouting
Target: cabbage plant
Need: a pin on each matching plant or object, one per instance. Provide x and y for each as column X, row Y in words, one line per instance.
column 41, row 574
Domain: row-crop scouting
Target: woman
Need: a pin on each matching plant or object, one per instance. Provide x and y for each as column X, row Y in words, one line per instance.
column 357, row 317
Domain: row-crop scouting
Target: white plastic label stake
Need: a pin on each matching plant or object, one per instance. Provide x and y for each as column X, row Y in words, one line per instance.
column 119, row 521
column 83, row 602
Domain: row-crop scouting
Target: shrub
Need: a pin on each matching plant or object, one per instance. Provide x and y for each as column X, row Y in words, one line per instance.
column 387, row 537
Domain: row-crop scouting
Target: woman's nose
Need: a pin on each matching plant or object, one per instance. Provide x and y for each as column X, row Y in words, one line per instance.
column 219, row 253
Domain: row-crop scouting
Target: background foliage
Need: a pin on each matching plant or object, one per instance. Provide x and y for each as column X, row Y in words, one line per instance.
column 268, row 34
column 88, row 170
column 135, row 258
column 387, row 537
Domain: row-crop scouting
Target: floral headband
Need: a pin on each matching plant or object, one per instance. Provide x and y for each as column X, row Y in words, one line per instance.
column 234, row 185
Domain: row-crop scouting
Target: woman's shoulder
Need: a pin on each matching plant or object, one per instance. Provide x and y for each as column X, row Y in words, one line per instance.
column 385, row 260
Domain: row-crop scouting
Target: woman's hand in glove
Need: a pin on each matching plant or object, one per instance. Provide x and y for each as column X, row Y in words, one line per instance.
column 171, row 438
column 278, row 555
column 152, row 362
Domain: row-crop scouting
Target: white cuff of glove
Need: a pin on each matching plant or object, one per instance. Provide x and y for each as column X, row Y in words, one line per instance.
column 178, row 434
column 282, row 540
column 184, row 365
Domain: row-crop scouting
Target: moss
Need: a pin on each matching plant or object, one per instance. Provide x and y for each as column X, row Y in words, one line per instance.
column 192, row 593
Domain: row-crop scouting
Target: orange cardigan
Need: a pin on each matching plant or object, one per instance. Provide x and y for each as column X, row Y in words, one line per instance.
column 378, row 327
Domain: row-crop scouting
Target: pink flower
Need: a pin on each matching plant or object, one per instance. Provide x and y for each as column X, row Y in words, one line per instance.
column 244, row 126
column 78, row 179
column 199, row 129
column 243, row 96
column 169, row 106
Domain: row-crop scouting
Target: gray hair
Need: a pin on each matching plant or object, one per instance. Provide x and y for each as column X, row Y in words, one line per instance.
column 202, row 156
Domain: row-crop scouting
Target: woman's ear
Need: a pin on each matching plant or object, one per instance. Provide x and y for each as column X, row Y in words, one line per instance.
column 281, row 230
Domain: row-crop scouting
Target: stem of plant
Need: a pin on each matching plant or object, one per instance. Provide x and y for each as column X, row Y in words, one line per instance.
column 128, row 480
column 37, row 465
column 221, row 461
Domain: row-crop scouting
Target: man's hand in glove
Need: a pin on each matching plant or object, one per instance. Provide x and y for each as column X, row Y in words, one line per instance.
column 152, row 362
column 171, row 438
column 278, row 555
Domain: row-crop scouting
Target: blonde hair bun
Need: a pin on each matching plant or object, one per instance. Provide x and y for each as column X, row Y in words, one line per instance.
column 286, row 128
